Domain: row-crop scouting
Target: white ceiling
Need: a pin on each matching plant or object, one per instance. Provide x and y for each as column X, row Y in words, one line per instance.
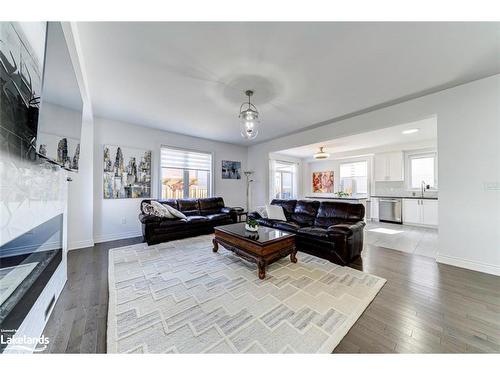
column 190, row 77
column 370, row 141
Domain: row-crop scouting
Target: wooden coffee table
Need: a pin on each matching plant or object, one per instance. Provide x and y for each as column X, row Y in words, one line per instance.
column 263, row 247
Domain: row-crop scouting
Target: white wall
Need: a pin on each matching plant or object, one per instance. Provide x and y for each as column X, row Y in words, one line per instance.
column 468, row 119
column 80, row 194
column 118, row 218
column 56, row 119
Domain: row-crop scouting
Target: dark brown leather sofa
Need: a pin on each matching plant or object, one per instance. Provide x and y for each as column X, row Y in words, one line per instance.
column 329, row 230
column 202, row 216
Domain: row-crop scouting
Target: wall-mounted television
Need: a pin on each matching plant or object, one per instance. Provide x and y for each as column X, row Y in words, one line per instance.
column 22, row 54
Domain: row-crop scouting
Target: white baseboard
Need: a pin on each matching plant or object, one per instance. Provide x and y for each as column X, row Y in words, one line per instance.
column 116, row 236
column 468, row 264
column 80, row 244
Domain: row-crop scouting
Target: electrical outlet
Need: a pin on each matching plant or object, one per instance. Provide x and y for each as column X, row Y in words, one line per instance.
column 124, row 221
column 491, row 185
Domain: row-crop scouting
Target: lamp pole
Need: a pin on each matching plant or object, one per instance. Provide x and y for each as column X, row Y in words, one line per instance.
column 248, row 174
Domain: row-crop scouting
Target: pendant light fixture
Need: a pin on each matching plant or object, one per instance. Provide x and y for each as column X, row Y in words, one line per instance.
column 320, row 155
column 249, row 117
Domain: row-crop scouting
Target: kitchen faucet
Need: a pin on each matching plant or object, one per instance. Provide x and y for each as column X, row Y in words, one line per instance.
column 422, row 188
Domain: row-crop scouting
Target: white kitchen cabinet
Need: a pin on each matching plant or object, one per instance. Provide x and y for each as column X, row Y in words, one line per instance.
column 411, row 211
column 389, row 166
column 429, row 212
column 374, row 208
column 396, row 166
column 379, row 167
column 420, row 212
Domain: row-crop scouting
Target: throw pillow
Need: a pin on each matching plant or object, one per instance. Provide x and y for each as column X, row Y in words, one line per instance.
column 161, row 211
column 148, row 209
column 261, row 210
column 175, row 213
column 275, row 212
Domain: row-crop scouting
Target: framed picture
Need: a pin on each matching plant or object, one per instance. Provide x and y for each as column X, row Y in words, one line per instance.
column 127, row 172
column 231, row 170
column 322, row 182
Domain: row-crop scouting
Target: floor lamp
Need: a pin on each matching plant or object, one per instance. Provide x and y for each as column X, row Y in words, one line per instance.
column 248, row 175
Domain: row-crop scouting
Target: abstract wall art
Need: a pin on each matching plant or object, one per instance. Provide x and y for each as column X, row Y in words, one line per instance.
column 322, row 182
column 231, row 170
column 127, row 172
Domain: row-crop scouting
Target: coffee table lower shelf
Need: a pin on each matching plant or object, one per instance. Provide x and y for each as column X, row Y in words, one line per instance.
column 261, row 254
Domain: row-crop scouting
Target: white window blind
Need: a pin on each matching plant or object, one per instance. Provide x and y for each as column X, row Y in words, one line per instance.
column 185, row 174
column 184, row 159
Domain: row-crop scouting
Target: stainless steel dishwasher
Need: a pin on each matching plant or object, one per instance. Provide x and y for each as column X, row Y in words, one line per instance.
column 390, row 210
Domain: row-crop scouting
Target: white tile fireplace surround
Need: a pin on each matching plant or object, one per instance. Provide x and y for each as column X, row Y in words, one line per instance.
column 32, row 194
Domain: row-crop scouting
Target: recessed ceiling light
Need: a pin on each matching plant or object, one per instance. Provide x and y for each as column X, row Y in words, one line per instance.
column 410, row 131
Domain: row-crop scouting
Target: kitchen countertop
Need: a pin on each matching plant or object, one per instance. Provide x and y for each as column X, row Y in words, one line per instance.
column 401, row 197
column 339, row 198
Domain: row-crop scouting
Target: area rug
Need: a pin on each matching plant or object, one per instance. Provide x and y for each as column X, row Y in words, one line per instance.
column 180, row 297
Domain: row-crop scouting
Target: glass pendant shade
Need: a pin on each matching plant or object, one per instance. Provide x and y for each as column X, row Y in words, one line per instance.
column 249, row 118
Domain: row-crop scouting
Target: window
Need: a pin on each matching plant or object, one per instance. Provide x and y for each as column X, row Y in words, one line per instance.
column 422, row 167
column 185, row 174
column 284, row 184
column 354, row 177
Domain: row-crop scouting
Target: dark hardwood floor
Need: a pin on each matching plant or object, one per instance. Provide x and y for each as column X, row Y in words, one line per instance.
column 78, row 322
column 423, row 308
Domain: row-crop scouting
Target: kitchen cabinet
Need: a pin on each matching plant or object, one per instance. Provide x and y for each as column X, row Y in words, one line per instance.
column 379, row 167
column 374, row 208
column 411, row 211
column 429, row 212
column 389, row 166
column 420, row 212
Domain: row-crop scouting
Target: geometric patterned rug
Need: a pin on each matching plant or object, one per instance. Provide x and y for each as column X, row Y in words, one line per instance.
column 180, row 297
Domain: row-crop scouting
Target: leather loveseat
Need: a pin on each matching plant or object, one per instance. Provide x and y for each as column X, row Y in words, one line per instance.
column 329, row 230
column 202, row 216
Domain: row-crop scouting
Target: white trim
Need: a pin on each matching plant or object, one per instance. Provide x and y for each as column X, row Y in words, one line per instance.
column 469, row 264
column 80, row 244
column 116, row 236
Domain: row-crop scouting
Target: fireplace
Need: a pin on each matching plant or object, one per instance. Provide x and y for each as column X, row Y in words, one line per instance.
column 26, row 265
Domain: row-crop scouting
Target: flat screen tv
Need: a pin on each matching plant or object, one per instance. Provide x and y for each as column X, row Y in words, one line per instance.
column 22, row 54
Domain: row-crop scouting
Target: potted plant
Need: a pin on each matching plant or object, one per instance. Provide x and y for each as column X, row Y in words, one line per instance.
column 252, row 225
column 342, row 194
